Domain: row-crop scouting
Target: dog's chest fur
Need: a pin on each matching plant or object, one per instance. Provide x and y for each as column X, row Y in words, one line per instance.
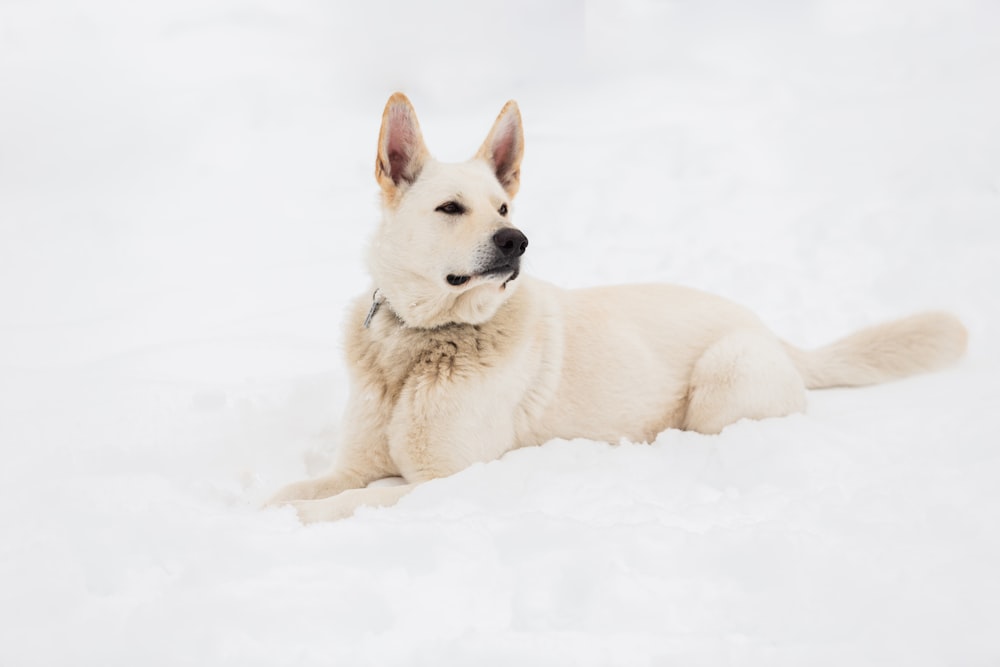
column 387, row 356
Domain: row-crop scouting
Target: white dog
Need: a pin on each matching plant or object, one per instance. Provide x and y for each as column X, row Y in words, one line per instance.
column 456, row 358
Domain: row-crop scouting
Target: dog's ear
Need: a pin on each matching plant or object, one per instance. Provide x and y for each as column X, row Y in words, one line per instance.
column 504, row 147
column 401, row 150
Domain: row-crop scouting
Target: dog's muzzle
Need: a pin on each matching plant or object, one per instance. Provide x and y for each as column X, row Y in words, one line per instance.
column 508, row 246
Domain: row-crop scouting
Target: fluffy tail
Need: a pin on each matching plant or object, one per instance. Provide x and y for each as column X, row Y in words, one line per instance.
column 888, row 351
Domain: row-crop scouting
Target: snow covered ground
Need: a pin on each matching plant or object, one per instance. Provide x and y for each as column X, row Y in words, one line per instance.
column 185, row 192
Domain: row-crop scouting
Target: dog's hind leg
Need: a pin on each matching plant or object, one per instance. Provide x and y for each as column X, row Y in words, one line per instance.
column 745, row 374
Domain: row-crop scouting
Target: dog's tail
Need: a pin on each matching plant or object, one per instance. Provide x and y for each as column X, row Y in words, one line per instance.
column 883, row 352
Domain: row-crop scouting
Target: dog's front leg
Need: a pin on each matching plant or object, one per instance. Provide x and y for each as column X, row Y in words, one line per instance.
column 437, row 429
column 430, row 437
column 362, row 456
column 443, row 427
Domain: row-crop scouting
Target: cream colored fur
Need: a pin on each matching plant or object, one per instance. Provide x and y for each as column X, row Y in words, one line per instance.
column 450, row 374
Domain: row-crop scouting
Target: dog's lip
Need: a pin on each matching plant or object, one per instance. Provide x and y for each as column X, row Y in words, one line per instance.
column 513, row 276
column 459, row 280
column 500, row 270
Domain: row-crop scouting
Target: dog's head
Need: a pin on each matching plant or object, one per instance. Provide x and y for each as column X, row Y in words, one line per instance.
column 446, row 250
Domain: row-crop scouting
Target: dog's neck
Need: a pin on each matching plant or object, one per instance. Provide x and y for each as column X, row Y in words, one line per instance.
column 381, row 302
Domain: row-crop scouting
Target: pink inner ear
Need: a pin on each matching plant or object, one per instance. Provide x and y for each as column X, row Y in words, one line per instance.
column 503, row 149
column 400, row 144
column 501, row 156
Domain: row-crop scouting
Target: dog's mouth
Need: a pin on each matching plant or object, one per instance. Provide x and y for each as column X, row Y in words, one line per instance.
column 511, row 270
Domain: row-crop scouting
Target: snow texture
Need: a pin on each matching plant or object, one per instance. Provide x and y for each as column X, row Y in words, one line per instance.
column 186, row 191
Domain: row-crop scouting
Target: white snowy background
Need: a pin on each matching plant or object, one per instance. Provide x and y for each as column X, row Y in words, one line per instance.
column 186, row 190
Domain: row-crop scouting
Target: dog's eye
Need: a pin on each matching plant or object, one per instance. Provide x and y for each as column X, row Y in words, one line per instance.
column 503, row 209
column 451, row 208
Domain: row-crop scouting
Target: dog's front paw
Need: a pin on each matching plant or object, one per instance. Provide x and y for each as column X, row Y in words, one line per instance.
column 331, row 507
column 309, row 498
column 325, row 509
column 304, row 490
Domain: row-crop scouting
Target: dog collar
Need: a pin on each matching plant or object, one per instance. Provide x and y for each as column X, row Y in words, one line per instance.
column 377, row 300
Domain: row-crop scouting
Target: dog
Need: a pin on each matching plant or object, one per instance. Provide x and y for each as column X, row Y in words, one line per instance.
column 455, row 357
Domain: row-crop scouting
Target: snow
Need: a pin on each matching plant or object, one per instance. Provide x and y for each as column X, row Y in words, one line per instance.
column 185, row 194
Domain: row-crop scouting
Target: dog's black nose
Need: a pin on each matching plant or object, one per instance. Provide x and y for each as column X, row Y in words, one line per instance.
column 510, row 241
